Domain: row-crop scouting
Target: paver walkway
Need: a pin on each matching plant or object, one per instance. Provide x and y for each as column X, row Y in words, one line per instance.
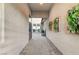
column 40, row 45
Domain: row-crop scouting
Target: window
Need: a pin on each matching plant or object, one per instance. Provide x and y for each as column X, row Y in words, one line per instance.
column 38, row 24
column 34, row 24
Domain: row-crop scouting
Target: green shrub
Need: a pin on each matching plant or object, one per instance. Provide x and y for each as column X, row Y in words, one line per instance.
column 73, row 19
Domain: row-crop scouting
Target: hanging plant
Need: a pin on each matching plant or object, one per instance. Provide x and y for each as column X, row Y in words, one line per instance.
column 56, row 24
column 73, row 19
column 50, row 25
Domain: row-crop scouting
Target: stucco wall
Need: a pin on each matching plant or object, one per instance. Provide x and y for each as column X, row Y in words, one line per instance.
column 16, row 31
column 39, row 14
column 60, row 10
column 67, row 43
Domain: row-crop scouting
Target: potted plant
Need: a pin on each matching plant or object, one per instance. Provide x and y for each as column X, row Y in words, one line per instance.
column 50, row 25
column 56, row 24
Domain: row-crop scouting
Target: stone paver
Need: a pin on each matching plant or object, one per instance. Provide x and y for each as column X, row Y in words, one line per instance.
column 39, row 45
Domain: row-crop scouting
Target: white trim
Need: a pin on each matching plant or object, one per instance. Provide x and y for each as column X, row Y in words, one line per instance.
column 2, row 39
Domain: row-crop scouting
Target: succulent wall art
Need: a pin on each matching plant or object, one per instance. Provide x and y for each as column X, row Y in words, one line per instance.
column 73, row 19
column 56, row 24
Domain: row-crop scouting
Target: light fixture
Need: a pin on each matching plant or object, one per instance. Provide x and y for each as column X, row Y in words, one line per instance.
column 41, row 3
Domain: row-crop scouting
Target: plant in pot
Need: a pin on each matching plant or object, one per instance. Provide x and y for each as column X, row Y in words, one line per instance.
column 73, row 19
column 56, row 24
column 50, row 25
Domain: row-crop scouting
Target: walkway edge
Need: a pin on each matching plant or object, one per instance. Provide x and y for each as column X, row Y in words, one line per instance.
column 57, row 51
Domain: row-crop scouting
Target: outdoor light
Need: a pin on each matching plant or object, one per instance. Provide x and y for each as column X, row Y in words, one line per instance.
column 41, row 3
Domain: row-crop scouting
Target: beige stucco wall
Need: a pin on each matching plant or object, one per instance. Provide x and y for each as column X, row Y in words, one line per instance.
column 23, row 8
column 67, row 43
column 60, row 10
column 16, row 31
column 39, row 14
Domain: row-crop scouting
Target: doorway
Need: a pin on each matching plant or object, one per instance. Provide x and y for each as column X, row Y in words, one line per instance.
column 34, row 27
